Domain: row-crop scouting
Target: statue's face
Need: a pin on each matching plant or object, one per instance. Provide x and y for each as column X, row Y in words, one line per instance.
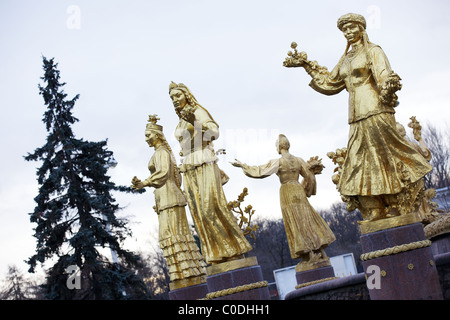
column 352, row 32
column 178, row 99
column 150, row 137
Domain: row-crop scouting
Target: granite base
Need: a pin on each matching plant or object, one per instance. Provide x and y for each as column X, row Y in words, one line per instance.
column 194, row 292
column 237, row 285
column 404, row 274
column 313, row 276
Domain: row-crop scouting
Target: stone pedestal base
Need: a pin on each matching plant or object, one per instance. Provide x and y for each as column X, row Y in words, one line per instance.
column 237, row 280
column 314, row 276
column 194, row 292
column 346, row 288
column 440, row 244
column 399, row 264
column 439, row 233
column 443, row 267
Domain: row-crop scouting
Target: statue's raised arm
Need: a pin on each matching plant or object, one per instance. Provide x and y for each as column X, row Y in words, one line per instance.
column 323, row 81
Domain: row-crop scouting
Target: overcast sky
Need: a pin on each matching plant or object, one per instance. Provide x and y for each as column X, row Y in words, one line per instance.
column 121, row 56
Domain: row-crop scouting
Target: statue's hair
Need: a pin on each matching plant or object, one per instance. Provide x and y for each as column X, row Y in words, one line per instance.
column 283, row 142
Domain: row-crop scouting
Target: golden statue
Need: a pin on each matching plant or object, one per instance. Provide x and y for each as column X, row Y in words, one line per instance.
column 186, row 264
column 220, row 236
column 381, row 172
column 307, row 233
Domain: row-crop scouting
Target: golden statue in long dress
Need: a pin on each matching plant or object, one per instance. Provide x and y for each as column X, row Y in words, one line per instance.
column 186, row 264
column 307, row 233
column 220, row 236
column 380, row 169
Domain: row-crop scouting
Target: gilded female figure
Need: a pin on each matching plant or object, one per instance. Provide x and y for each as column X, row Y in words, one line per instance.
column 186, row 264
column 220, row 236
column 307, row 233
column 380, row 164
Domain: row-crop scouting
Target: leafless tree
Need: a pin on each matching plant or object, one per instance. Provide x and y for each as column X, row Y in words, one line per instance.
column 16, row 286
column 438, row 142
column 155, row 273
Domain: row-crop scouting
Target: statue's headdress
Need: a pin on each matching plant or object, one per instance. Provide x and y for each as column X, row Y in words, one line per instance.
column 283, row 141
column 151, row 125
column 351, row 17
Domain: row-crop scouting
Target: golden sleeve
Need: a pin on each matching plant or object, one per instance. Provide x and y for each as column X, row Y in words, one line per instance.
column 262, row 171
column 161, row 162
column 380, row 65
column 207, row 125
column 325, row 82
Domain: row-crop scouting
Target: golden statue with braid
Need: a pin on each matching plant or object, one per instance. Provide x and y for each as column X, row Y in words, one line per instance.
column 186, row 264
column 381, row 174
column 220, row 236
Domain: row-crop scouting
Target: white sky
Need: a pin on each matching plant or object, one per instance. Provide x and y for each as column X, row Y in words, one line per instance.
column 120, row 56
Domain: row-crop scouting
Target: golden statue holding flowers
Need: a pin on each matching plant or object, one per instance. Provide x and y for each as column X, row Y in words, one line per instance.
column 381, row 172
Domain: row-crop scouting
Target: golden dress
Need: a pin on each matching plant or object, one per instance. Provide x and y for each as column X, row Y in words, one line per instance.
column 175, row 238
column 306, row 230
column 375, row 148
column 220, row 236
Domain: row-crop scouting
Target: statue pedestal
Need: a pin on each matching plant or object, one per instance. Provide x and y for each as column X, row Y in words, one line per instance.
column 399, row 264
column 314, row 276
column 236, row 280
column 439, row 233
column 189, row 289
column 346, row 288
column 440, row 244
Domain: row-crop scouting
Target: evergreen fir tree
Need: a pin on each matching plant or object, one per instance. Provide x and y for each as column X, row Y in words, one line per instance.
column 76, row 212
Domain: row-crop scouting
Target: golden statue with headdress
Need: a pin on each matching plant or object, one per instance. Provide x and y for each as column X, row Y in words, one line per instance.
column 186, row 264
column 381, row 173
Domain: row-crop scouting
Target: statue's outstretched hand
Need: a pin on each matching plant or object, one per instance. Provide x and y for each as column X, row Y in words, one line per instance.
column 237, row 163
column 137, row 184
column 295, row 59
